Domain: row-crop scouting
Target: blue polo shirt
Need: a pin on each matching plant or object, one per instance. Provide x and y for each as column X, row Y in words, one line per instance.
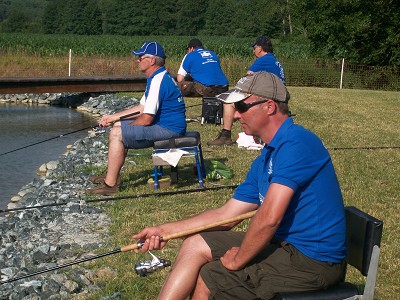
column 163, row 99
column 268, row 63
column 204, row 67
column 314, row 222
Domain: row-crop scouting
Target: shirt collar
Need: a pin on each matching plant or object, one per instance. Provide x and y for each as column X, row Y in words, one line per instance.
column 159, row 70
column 276, row 140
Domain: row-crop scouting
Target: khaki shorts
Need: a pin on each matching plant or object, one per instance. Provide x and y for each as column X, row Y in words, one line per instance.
column 279, row 268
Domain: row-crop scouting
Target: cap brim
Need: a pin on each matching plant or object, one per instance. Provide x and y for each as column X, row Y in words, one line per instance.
column 232, row 96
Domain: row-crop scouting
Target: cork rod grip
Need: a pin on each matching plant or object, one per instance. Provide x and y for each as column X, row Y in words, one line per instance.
column 194, row 230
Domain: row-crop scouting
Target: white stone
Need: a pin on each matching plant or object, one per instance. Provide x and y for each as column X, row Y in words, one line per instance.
column 15, row 199
column 52, row 165
column 42, row 168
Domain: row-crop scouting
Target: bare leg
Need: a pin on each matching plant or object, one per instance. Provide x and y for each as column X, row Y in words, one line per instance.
column 116, row 156
column 194, row 253
column 229, row 111
column 201, row 291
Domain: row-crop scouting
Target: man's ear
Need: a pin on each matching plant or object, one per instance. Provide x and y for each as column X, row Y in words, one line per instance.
column 272, row 107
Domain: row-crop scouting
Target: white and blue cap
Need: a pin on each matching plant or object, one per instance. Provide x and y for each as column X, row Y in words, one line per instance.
column 152, row 48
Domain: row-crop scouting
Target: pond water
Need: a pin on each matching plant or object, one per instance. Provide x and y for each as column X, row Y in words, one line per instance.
column 22, row 125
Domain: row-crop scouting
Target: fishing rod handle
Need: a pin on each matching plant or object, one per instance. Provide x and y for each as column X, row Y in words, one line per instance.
column 124, row 117
column 193, row 230
column 131, row 247
column 208, row 226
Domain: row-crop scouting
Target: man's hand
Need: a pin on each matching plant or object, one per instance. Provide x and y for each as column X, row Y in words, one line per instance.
column 151, row 238
column 229, row 260
column 107, row 120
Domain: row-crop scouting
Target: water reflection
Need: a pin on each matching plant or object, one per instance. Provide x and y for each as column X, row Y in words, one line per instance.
column 22, row 125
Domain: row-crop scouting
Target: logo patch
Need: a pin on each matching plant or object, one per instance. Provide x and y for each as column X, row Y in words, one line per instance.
column 270, row 167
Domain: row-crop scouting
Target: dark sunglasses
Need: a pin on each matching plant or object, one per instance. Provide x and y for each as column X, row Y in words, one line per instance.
column 242, row 107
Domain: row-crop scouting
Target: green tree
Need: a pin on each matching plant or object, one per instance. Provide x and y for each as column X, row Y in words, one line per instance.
column 4, row 9
column 362, row 31
column 21, row 15
column 120, row 17
column 73, row 17
column 190, row 16
column 52, row 16
column 93, row 18
column 16, row 22
column 218, row 18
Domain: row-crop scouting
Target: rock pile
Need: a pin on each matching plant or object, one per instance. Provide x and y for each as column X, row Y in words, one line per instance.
column 56, row 99
column 42, row 238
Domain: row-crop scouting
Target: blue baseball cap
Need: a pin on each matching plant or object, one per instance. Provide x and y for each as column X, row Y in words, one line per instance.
column 152, row 48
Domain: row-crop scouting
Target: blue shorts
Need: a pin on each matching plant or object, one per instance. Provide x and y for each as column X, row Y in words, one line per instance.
column 138, row 137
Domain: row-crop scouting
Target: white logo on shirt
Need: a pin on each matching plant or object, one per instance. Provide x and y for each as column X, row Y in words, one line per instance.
column 205, row 54
column 270, row 167
column 261, row 198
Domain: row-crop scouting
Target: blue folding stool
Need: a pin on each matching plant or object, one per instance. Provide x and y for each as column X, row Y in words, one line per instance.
column 190, row 143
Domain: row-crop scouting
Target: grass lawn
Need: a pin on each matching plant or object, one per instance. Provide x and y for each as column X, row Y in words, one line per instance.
column 369, row 180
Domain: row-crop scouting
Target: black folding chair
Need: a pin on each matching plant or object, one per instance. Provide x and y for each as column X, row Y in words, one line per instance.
column 364, row 234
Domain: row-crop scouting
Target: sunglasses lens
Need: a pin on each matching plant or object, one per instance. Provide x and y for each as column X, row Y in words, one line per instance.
column 241, row 106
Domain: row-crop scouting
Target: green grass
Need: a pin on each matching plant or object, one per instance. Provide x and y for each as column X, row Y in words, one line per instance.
column 369, row 180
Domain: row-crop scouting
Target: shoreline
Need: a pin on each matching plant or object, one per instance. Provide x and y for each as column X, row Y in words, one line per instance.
column 42, row 238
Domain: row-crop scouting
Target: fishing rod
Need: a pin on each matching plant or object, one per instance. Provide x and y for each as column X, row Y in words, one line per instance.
column 189, row 106
column 364, row 148
column 138, row 245
column 167, row 193
column 61, row 135
column 75, row 131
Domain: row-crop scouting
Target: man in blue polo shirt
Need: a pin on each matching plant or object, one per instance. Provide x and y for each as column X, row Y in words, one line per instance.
column 200, row 72
column 296, row 239
column 159, row 115
column 265, row 61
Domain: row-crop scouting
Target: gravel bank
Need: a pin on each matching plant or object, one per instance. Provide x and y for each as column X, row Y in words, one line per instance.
column 41, row 238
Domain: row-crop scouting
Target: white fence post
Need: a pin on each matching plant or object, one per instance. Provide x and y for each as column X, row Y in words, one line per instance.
column 341, row 74
column 70, row 62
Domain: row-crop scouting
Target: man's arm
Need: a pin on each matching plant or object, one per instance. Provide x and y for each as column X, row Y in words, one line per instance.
column 143, row 120
column 232, row 208
column 179, row 78
column 262, row 227
column 108, row 120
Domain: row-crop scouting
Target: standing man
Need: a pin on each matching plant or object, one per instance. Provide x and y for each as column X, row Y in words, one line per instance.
column 265, row 61
column 160, row 115
column 200, row 73
column 296, row 239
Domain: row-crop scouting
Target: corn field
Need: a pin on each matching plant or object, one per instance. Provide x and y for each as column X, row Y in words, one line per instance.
column 23, row 55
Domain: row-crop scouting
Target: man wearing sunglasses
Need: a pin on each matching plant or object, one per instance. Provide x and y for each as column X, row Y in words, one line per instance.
column 296, row 239
column 265, row 61
column 160, row 115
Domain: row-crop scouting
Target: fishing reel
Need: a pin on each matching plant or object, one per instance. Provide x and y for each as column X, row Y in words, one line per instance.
column 147, row 267
column 99, row 130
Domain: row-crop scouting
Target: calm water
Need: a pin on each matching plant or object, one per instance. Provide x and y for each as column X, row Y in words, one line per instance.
column 25, row 124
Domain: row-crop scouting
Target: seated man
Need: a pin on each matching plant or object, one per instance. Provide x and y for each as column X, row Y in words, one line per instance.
column 265, row 61
column 200, row 73
column 160, row 115
column 295, row 241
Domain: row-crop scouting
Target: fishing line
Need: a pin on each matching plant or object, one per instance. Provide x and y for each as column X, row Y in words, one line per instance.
column 139, row 244
column 72, row 132
column 108, row 199
column 364, row 148
column 52, row 138
column 61, row 135
column 189, row 106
